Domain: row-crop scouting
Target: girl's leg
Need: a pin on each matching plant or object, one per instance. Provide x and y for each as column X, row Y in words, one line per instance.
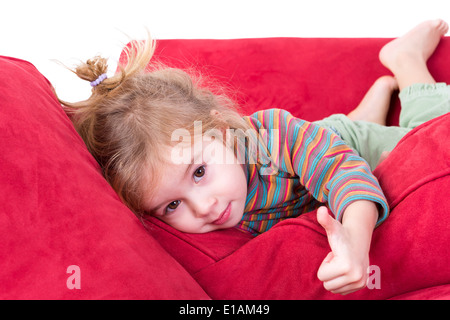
column 407, row 56
column 368, row 139
column 364, row 129
column 374, row 107
column 421, row 97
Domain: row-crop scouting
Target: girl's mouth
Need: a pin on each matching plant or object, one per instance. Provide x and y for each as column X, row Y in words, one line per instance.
column 223, row 216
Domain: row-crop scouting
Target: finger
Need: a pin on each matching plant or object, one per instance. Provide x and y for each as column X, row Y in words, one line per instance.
column 325, row 220
column 329, row 270
column 323, row 273
column 350, row 288
column 346, row 283
column 329, row 257
column 345, row 292
column 332, row 227
column 340, row 285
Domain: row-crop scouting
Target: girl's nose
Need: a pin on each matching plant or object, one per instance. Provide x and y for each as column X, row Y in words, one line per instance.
column 202, row 207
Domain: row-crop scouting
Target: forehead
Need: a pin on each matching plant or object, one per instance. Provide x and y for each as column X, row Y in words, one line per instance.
column 162, row 180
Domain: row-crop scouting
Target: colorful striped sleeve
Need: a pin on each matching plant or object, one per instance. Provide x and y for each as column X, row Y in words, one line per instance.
column 329, row 169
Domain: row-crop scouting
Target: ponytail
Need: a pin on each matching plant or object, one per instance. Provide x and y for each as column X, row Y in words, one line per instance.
column 85, row 114
column 138, row 56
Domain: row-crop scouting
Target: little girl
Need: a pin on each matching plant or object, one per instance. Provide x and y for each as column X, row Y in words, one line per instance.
column 172, row 149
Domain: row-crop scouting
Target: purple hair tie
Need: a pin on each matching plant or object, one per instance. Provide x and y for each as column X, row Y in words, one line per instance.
column 99, row 80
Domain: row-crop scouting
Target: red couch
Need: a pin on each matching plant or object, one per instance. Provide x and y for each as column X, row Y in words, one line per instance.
column 66, row 235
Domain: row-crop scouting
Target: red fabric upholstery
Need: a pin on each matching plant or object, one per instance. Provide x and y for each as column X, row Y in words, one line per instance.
column 57, row 211
column 313, row 78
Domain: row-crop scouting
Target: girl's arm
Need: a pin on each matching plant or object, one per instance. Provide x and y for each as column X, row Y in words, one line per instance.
column 332, row 173
column 344, row 270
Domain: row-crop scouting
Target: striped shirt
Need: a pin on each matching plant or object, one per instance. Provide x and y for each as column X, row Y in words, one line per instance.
column 299, row 166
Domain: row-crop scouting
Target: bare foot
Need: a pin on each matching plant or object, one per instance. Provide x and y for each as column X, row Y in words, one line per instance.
column 375, row 105
column 406, row 56
column 419, row 43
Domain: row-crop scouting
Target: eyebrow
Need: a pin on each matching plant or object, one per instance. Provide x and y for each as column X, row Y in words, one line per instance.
column 188, row 169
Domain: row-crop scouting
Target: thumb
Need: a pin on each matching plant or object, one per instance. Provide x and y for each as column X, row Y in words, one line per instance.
column 326, row 221
column 331, row 226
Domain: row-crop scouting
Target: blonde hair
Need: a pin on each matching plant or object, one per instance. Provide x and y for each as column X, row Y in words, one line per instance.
column 131, row 115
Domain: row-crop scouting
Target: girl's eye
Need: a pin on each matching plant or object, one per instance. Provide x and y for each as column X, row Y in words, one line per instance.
column 172, row 206
column 199, row 173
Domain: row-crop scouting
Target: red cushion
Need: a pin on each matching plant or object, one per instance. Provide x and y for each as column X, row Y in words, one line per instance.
column 57, row 211
column 313, row 78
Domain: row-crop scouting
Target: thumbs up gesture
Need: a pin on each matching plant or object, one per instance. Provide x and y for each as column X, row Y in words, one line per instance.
column 344, row 269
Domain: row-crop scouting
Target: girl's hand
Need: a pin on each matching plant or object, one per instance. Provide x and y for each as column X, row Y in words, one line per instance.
column 344, row 269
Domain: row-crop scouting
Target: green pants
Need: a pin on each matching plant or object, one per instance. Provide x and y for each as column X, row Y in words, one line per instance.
column 420, row 103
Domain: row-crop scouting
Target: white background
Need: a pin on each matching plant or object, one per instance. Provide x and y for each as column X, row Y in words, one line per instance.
column 41, row 31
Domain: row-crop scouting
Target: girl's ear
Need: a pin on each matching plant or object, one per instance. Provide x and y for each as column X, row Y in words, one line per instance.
column 215, row 113
column 223, row 124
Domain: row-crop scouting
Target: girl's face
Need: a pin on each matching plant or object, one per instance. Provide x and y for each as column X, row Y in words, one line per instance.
column 204, row 194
